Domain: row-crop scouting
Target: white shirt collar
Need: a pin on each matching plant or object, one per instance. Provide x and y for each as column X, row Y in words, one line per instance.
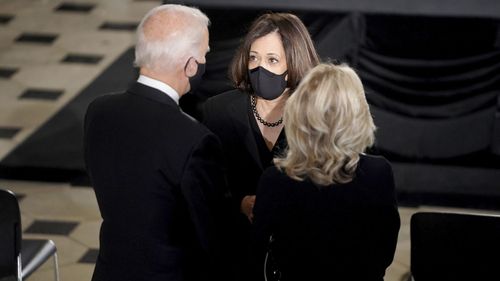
column 153, row 83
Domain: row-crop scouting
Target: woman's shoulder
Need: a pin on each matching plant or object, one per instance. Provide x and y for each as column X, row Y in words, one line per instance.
column 227, row 97
column 273, row 172
column 274, row 181
column 375, row 167
column 223, row 107
column 273, row 175
column 375, row 170
column 278, row 177
column 376, row 162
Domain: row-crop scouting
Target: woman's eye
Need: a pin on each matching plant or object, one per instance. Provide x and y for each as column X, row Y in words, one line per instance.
column 273, row 60
column 252, row 58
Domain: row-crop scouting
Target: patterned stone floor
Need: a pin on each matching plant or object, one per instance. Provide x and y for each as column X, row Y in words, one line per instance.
column 50, row 50
column 69, row 215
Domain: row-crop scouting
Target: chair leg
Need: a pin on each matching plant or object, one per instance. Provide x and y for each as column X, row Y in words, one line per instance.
column 19, row 268
column 56, row 267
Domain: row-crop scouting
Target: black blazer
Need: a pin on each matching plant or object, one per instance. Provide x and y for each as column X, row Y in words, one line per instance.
column 158, row 180
column 227, row 116
column 341, row 232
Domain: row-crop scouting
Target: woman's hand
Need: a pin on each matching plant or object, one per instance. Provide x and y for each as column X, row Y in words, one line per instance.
column 247, row 206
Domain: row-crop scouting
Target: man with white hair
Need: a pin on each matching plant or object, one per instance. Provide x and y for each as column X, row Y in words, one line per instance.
column 156, row 172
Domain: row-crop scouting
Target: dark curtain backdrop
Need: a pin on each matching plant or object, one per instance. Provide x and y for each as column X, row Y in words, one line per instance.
column 432, row 80
column 433, row 85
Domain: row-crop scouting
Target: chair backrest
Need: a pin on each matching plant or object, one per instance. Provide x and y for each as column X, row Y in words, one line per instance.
column 453, row 246
column 10, row 233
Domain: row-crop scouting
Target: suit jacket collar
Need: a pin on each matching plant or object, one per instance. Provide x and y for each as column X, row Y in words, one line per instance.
column 152, row 94
column 239, row 110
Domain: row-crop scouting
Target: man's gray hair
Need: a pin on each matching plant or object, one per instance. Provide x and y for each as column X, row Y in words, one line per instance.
column 183, row 32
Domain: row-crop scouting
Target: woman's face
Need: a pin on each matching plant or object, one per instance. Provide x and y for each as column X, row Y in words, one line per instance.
column 268, row 52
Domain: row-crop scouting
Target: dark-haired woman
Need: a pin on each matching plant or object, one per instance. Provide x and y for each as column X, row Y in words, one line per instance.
column 275, row 54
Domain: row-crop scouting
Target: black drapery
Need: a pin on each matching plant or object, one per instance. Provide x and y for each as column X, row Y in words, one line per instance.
column 433, row 83
column 430, row 69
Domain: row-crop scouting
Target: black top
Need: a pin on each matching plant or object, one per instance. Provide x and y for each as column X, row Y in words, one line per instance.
column 159, row 185
column 229, row 116
column 266, row 155
column 340, row 232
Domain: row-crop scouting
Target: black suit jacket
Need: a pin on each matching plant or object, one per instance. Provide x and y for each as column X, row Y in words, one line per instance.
column 227, row 116
column 340, row 232
column 159, row 183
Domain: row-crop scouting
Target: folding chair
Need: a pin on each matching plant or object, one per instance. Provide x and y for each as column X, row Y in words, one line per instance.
column 19, row 258
column 454, row 246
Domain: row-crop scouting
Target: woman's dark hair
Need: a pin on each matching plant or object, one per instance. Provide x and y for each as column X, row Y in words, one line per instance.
column 300, row 53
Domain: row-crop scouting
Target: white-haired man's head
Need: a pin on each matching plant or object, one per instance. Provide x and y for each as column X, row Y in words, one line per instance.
column 168, row 36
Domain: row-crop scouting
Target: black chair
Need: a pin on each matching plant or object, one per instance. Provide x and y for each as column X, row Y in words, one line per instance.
column 454, row 246
column 19, row 258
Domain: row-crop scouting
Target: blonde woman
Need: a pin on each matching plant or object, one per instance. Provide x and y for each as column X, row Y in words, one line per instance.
column 330, row 208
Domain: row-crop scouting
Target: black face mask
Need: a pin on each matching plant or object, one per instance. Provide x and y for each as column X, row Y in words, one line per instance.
column 266, row 84
column 195, row 80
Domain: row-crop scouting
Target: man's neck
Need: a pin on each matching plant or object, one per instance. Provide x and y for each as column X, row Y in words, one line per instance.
column 168, row 79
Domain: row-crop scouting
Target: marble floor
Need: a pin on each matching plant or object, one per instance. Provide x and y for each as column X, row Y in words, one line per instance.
column 70, row 217
column 49, row 51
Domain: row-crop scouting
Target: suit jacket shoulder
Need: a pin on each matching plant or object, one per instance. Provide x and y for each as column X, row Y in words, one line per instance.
column 375, row 161
column 376, row 168
column 227, row 97
column 155, row 172
column 226, row 115
column 229, row 104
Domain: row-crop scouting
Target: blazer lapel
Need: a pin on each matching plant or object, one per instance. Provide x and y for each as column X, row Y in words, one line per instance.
column 242, row 124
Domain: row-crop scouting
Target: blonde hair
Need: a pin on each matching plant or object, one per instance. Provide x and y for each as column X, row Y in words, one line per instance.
column 328, row 125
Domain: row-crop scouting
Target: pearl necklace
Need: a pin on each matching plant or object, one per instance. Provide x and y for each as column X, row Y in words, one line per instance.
column 264, row 122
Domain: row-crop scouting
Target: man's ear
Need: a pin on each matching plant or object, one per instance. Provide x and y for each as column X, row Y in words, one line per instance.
column 191, row 67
